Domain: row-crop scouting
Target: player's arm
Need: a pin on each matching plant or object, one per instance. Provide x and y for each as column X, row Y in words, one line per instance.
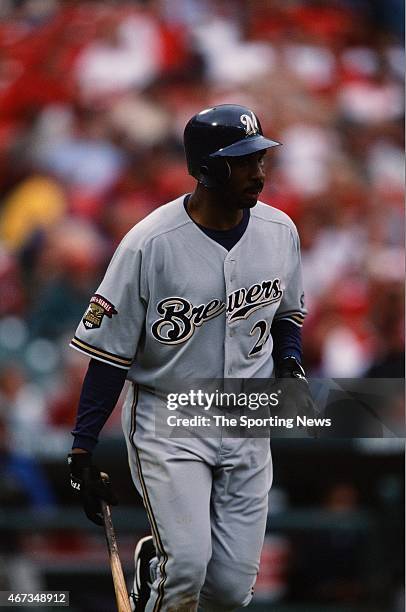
column 108, row 333
column 290, row 315
column 101, row 389
column 287, row 341
column 287, row 351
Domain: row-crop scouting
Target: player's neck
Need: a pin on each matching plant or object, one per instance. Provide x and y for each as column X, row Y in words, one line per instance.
column 207, row 208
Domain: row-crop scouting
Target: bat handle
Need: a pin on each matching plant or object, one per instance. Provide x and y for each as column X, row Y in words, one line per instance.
column 123, row 604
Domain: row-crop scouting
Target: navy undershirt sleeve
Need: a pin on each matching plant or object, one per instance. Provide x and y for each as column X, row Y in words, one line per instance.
column 287, row 340
column 100, row 392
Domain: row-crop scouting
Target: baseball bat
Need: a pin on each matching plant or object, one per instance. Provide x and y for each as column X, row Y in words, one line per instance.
column 123, row 604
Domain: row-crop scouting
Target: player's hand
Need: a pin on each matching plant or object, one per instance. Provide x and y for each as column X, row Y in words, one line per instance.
column 86, row 481
column 294, row 393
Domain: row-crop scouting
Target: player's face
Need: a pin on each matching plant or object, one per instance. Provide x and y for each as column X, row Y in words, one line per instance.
column 247, row 179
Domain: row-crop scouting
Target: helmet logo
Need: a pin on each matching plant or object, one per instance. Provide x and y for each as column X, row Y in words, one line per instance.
column 250, row 124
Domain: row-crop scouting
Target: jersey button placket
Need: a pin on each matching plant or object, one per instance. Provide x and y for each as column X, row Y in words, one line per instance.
column 229, row 277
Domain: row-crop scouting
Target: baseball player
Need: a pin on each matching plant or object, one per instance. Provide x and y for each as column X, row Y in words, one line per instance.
column 208, row 285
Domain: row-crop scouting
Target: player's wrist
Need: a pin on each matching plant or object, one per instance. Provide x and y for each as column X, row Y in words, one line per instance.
column 290, row 367
column 78, row 462
column 84, row 443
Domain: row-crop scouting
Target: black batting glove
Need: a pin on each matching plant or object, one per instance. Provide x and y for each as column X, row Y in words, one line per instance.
column 86, row 481
column 294, row 393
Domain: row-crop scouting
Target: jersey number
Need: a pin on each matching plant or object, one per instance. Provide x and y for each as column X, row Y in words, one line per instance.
column 264, row 331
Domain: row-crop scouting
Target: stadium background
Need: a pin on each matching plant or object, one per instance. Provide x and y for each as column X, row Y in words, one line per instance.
column 93, row 100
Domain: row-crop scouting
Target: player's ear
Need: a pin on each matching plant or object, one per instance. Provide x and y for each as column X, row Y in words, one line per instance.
column 217, row 168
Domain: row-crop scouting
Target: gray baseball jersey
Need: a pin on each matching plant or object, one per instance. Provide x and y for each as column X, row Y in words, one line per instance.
column 175, row 305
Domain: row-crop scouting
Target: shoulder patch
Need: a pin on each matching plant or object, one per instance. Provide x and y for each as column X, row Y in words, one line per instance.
column 98, row 308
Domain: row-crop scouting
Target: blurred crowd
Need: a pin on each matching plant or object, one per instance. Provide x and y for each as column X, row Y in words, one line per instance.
column 93, row 100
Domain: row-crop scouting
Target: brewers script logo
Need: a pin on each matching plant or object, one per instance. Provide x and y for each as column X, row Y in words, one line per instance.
column 98, row 308
column 250, row 124
column 179, row 318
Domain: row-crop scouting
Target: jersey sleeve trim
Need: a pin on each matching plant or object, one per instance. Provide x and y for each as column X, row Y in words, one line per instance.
column 96, row 353
column 294, row 316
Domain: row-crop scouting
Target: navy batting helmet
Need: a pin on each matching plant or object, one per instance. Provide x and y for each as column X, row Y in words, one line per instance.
column 227, row 130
